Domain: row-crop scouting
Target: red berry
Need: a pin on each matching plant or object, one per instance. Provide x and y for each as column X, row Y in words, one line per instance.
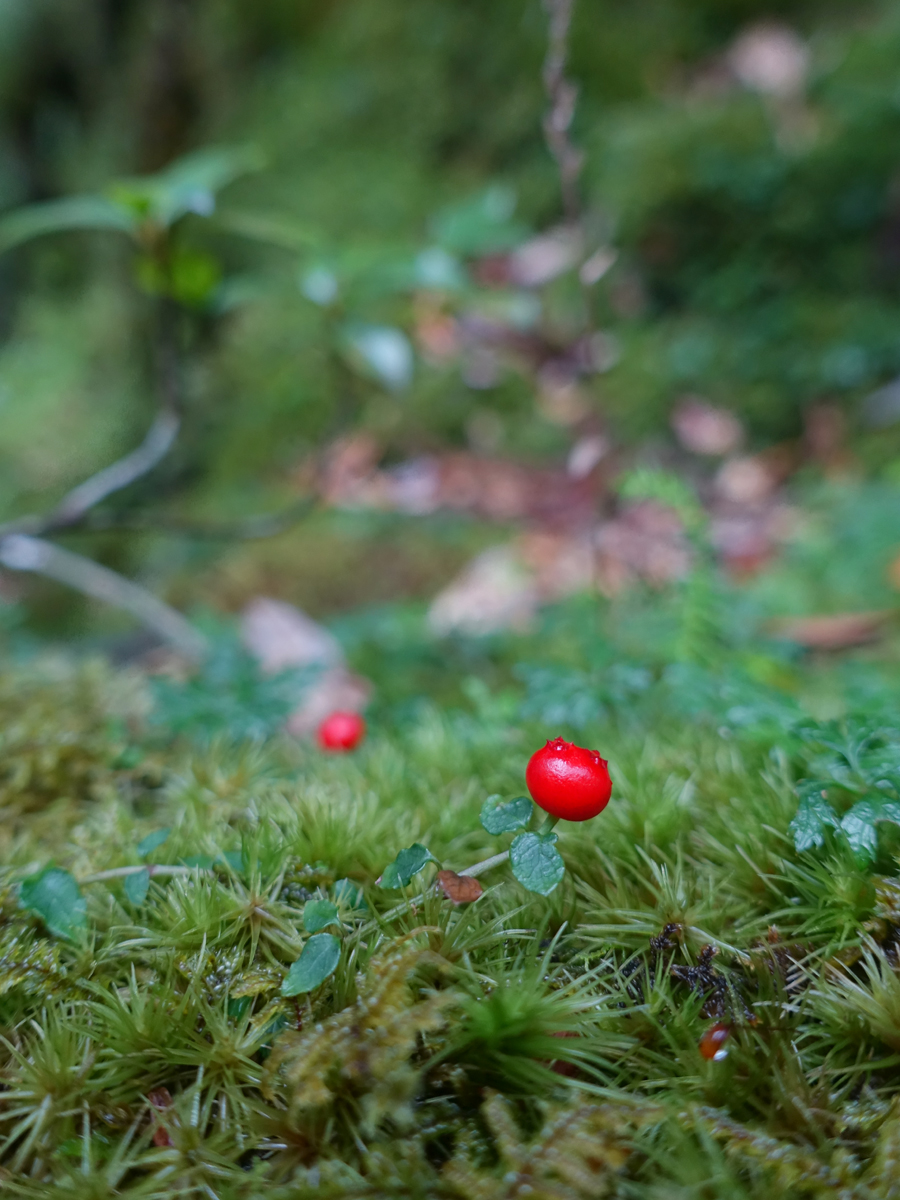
column 712, row 1044
column 341, row 731
column 568, row 781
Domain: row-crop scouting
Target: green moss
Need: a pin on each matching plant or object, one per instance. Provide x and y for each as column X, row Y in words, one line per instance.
column 458, row 1052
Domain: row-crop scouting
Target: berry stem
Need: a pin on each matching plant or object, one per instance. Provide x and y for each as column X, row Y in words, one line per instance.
column 547, row 826
column 485, row 865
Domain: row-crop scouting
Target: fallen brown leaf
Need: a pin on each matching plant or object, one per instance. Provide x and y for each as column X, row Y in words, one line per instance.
column 280, row 636
column 460, row 889
column 837, row 632
column 704, row 429
column 645, row 542
column 160, row 1099
column 494, row 592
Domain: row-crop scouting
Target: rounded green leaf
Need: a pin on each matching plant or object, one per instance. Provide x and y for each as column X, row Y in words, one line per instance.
column 137, row 886
column 345, row 891
column 503, row 816
column 318, row 959
column 319, row 913
column 408, row 862
column 55, row 896
column 58, row 216
column 536, row 862
column 152, row 841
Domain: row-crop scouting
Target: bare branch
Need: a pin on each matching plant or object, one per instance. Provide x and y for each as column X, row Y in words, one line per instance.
column 562, row 94
column 253, row 528
column 152, row 450
column 486, row 864
column 22, row 552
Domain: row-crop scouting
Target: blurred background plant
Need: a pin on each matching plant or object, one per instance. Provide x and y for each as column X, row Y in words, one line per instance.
column 384, row 302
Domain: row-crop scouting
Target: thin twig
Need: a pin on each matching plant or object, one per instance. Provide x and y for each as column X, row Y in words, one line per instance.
column 22, row 543
column 151, row 869
column 479, row 868
column 152, row 450
column 21, row 552
column 562, row 94
column 251, row 529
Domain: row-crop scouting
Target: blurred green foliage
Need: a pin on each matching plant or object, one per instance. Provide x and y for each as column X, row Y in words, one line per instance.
column 755, row 234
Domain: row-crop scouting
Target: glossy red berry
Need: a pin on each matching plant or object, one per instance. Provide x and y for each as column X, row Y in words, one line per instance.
column 712, row 1044
column 341, row 731
column 568, row 781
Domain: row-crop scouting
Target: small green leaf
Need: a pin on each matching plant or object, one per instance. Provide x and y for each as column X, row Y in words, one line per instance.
column 408, row 862
column 536, row 862
column 859, row 826
column 136, row 886
column 234, row 859
column 345, row 891
column 150, row 843
column 204, row 861
column 502, row 816
column 59, row 216
column 318, row 959
column 319, row 913
column 814, row 815
column 237, row 1008
column 55, row 896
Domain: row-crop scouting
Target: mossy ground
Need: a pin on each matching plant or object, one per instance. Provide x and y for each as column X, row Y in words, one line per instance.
column 520, row 1045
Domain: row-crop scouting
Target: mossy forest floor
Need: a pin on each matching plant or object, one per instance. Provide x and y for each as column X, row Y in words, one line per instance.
column 520, row 1045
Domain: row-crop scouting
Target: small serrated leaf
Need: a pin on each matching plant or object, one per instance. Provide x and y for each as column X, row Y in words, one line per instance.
column 536, row 862
column 317, row 914
column 813, row 816
column 56, row 897
column 137, row 886
column 503, row 816
column 408, row 862
column 152, row 841
column 318, row 959
column 859, row 826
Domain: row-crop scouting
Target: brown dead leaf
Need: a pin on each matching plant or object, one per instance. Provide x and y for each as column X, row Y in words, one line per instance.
column 460, row 889
column 704, row 429
column 336, row 690
column 280, row 636
column 545, row 257
column 770, row 58
column 837, row 632
column 646, row 542
column 494, row 592
column 489, row 486
column 161, row 1099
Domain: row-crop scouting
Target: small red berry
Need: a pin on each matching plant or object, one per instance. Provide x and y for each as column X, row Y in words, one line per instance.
column 568, row 781
column 341, row 731
column 712, row 1044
